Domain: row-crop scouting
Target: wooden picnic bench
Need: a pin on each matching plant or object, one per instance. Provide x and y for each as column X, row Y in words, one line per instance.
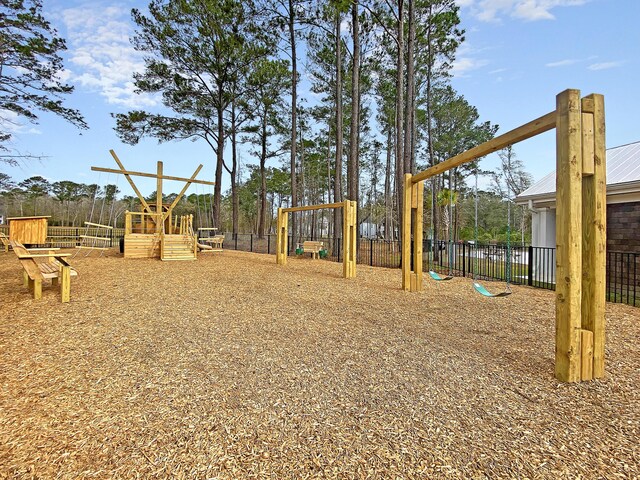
column 312, row 247
column 215, row 241
column 45, row 263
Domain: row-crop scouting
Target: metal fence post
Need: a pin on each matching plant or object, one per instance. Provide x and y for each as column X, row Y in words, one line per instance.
column 251, row 243
column 464, row 257
column 530, row 267
column 371, row 252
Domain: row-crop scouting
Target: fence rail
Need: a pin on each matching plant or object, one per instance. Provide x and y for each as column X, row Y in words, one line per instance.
column 532, row 266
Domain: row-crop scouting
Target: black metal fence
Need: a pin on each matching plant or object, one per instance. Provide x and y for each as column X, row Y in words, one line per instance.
column 532, row 266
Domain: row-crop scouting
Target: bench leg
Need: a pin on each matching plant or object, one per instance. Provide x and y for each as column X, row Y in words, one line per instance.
column 65, row 284
column 35, row 286
column 25, row 279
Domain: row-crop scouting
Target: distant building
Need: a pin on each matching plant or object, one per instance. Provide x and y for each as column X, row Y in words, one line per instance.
column 623, row 202
column 623, row 208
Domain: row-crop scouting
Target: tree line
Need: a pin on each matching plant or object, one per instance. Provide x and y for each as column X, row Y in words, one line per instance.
column 377, row 103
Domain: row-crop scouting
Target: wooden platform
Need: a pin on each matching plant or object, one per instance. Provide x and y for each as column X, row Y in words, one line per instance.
column 139, row 245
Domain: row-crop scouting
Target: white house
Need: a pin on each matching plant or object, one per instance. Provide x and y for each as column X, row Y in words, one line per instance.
column 623, row 202
column 623, row 212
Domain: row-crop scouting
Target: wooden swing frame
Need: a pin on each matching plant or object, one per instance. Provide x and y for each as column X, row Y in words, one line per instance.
column 580, row 227
column 349, row 244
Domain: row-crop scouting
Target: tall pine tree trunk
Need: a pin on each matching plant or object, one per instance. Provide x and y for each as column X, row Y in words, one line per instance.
column 352, row 178
column 337, row 184
column 294, row 117
column 409, row 163
column 388, row 201
column 217, row 190
column 235, row 200
column 262, row 215
column 399, row 140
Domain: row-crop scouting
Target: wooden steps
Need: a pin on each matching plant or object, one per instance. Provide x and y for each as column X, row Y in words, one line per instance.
column 178, row 247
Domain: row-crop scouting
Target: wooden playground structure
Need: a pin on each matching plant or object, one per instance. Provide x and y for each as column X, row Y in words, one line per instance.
column 154, row 232
column 349, row 231
column 580, row 227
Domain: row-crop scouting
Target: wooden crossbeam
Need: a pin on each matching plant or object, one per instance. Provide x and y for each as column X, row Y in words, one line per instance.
column 184, row 189
column 313, row 207
column 150, row 175
column 528, row 130
column 122, row 170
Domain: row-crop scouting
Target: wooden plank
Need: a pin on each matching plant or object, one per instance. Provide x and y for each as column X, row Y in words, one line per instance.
column 106, row 239
column 586, row 355
column 99, row 225
column 313, row 207
column 29, row 230
column 528, row 130
column 149, row 175
column 594, row 232
column 144, row 203
column 587, row 143
column 568, row 235
column 406, row 233
column 184, row 189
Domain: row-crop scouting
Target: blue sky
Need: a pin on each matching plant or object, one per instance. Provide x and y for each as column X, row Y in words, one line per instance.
column 517, row 56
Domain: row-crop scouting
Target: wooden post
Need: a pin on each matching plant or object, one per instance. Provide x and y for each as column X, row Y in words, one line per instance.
column 594, row 229
column 586, row 355
column 568, row 235
column 350, row 240
column 417, row 207
column 65, row 283
column 406, row 233
column 159, row 199
column 282, row 238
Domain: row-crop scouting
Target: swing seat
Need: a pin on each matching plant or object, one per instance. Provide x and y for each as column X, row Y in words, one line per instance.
column 483, row 291
column 438, row 278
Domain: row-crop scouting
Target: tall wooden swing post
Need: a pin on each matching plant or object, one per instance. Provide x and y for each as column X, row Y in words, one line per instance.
column 580, row 227
column 349, row 233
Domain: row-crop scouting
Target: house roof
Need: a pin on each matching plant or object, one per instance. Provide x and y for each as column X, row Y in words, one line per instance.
column 623, row 178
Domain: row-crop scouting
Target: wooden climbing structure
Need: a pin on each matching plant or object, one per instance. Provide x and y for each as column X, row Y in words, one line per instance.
column 154, row 232
column 580, row 227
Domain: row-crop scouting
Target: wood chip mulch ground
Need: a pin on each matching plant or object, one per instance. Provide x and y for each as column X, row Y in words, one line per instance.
column 231, row 367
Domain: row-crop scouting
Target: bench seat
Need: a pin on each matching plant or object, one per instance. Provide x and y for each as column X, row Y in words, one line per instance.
column 45, row 263
column 312, row 247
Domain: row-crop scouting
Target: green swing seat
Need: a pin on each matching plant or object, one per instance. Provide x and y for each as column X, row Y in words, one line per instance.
column 483, row 291
column 437, row 276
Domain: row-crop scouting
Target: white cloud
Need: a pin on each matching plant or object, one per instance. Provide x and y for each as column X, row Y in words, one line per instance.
column 562, row 63
column 604, row 65
column 530, row 10
column 101, row 55
column 462, row 65
column 11, row 122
